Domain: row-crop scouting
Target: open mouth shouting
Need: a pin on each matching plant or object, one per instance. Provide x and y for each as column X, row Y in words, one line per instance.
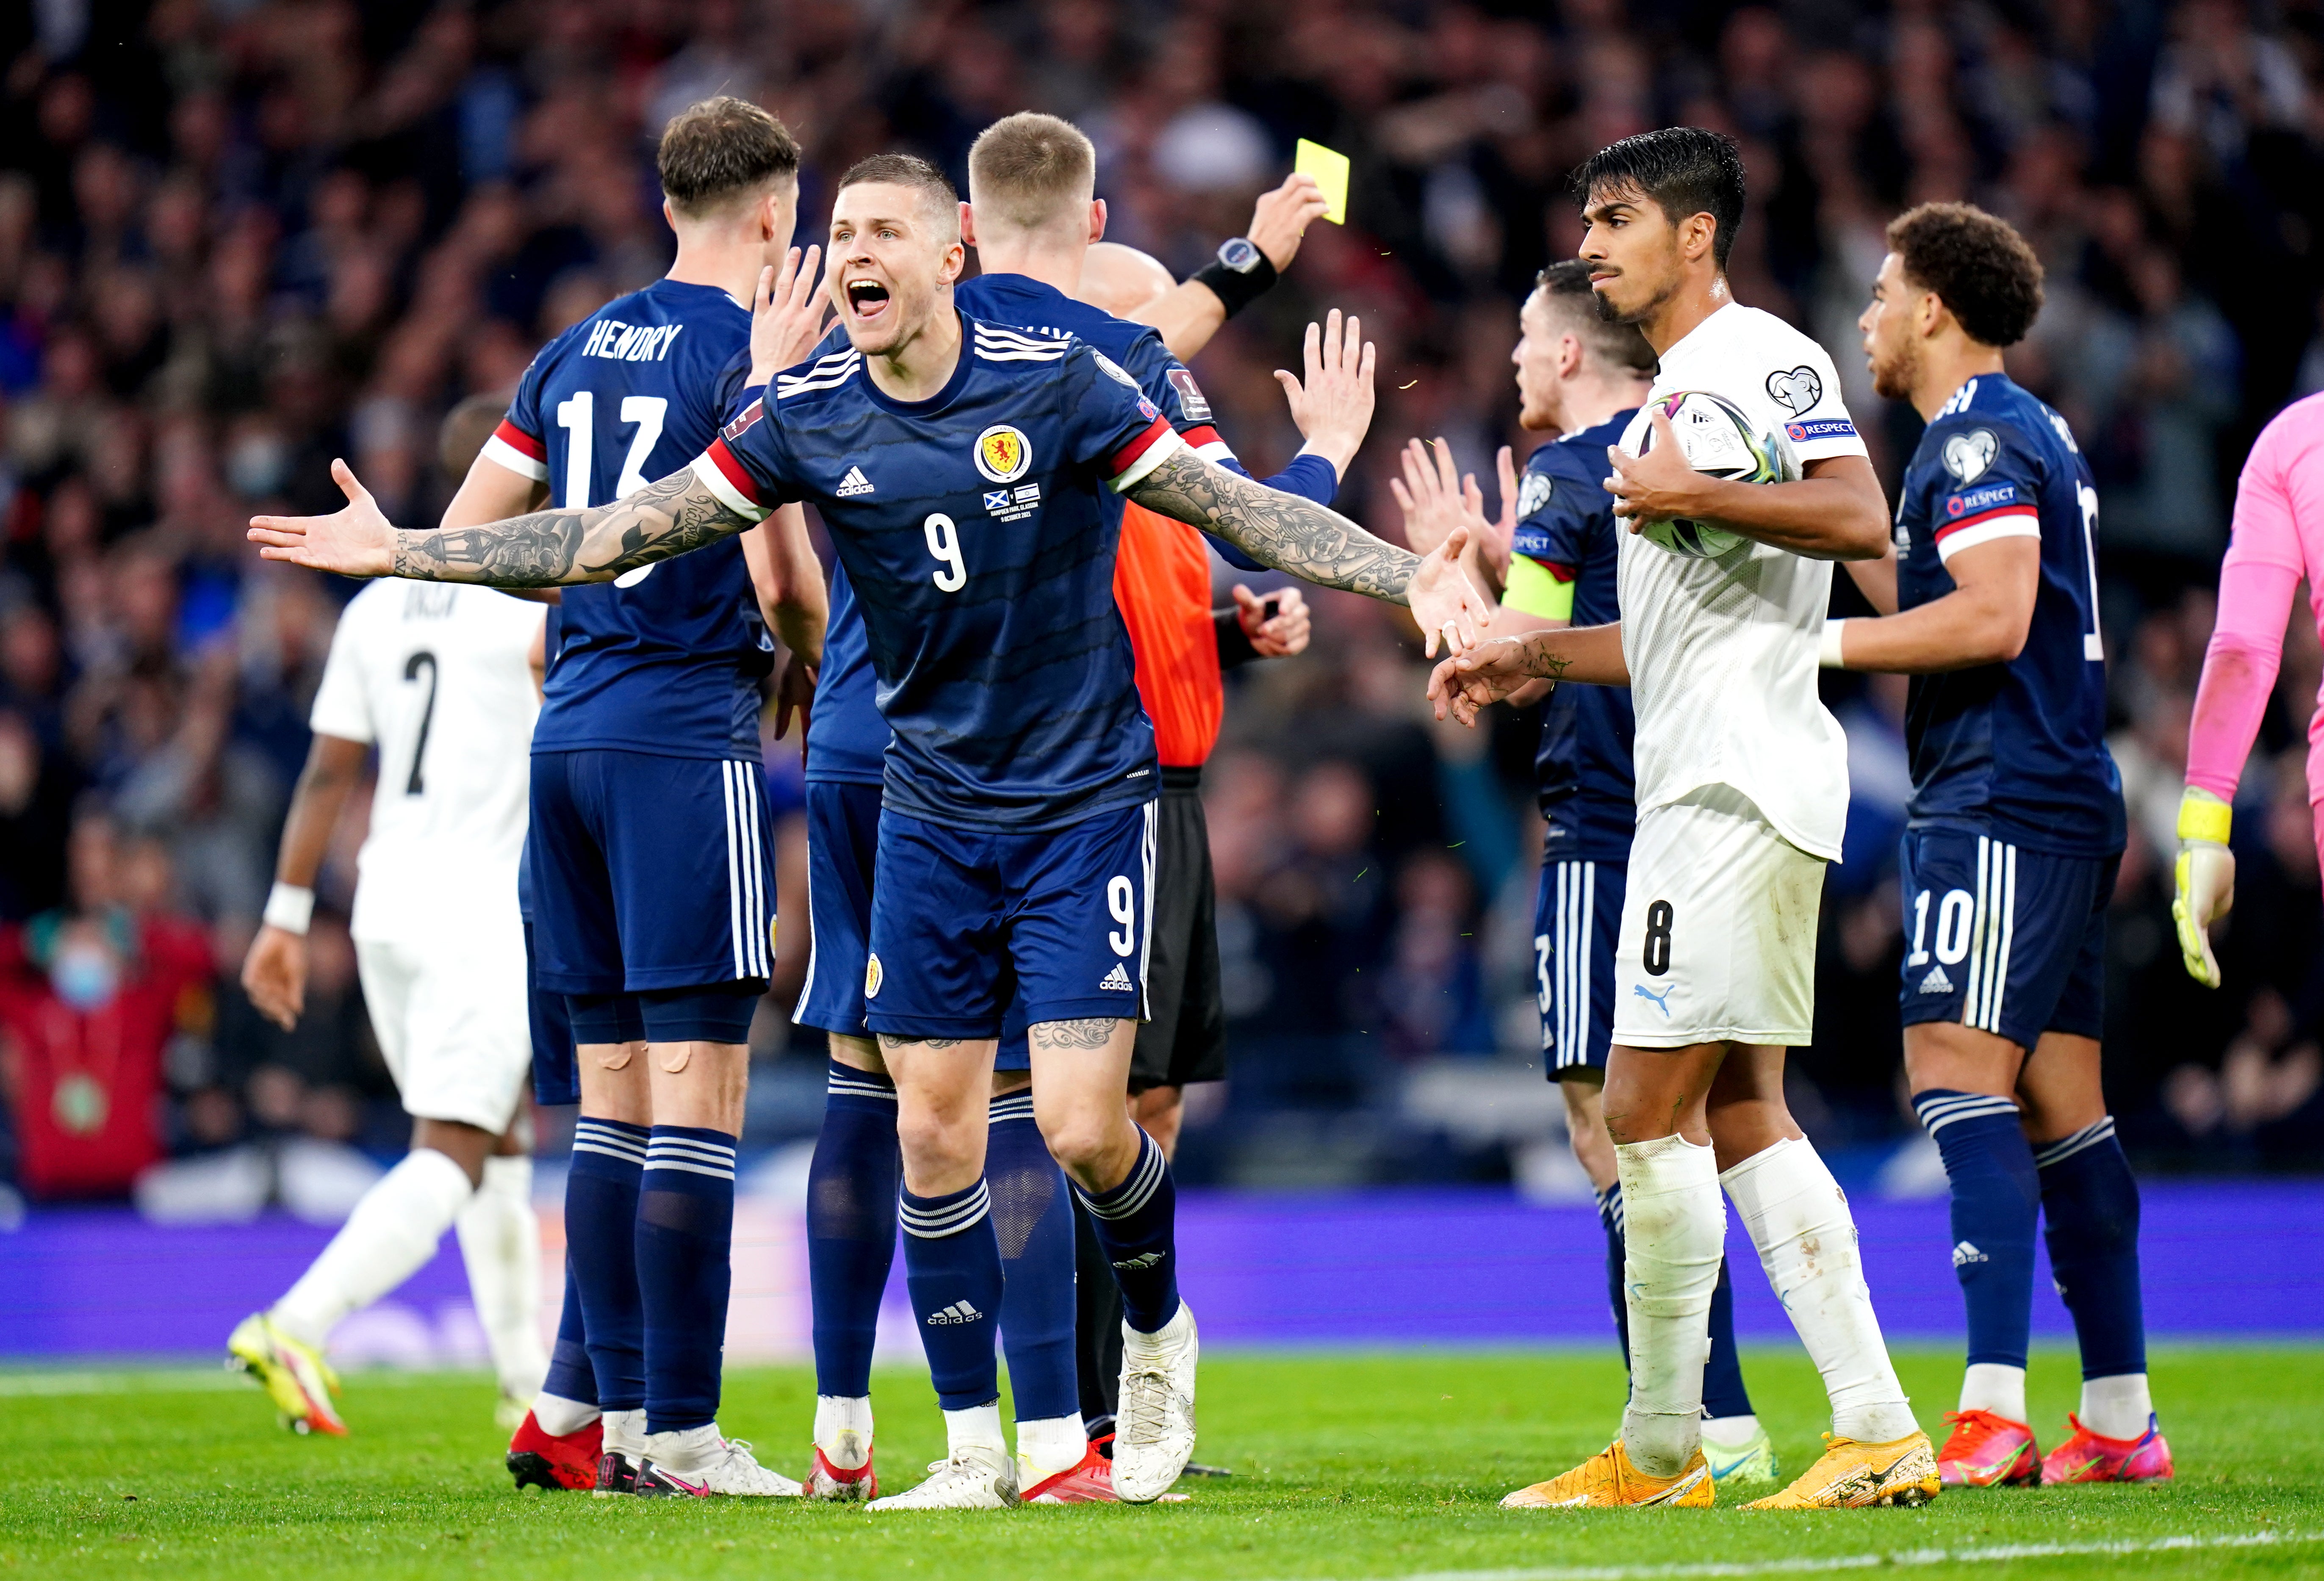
column 867, row 300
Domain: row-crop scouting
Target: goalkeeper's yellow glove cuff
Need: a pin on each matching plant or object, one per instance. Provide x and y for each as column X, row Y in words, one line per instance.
column 2204, row 816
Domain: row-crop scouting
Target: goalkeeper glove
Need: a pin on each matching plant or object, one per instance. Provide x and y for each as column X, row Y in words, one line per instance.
column 2204, row 880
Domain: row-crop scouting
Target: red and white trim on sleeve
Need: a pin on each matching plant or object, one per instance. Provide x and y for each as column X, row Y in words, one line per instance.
column 513, row 448
column 1155, row 444
column 1205, row 442
column 727, row 478
column 2003, row 521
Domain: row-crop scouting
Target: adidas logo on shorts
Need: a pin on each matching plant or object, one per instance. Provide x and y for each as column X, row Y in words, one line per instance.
column 1117, row 978
column 1936, row 982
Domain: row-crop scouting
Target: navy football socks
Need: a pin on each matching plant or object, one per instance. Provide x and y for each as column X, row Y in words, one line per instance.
column 952, row 1266
column 570, row 1375
column 1996, row 1201
column 2091, row 1199
column 1137, row 1224
column 1033, row 1220
column 601, row 1218
column 851, row 1225
column 1723, row 1393
column 685, row 1242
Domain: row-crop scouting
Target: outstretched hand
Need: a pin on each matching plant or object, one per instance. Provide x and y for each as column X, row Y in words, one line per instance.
column 358, row 541
column 788, row 315
column 1333, row 406
column 1281, row 217
column 1468, row 682
column 1446, row 604
column 1434, row 497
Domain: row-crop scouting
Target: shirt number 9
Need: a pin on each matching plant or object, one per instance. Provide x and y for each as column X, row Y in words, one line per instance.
column 943, row 543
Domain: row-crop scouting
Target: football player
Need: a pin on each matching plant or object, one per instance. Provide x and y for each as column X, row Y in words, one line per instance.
column 1989, row 603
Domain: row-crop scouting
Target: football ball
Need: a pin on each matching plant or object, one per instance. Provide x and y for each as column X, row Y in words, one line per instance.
column 1717, row 437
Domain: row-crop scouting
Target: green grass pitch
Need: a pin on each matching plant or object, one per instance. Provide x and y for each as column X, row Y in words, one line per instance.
column 1347, row 1466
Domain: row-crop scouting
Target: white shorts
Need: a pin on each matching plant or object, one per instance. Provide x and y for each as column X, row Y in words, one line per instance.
column 451, row 1016
column 1719, row 928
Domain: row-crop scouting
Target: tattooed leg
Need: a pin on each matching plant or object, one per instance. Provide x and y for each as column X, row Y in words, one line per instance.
column 1081, row 1096
column 942, row 1094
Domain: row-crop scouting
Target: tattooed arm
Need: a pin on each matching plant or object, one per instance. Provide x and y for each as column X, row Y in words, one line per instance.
column 546, row 549
column 1317, row 544
column 1465, row 682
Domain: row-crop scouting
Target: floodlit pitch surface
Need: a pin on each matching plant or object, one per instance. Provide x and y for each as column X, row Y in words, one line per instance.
column 1346, row 1467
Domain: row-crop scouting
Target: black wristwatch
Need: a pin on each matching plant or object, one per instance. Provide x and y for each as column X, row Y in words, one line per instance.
column 1240, row 276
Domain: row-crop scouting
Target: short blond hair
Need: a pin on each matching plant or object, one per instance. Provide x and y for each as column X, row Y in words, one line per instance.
column 1030, row 170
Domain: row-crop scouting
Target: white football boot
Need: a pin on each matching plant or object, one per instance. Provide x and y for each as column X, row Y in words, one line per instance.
column 977, row 1476
column 1154, row 1424
column 717, row 1467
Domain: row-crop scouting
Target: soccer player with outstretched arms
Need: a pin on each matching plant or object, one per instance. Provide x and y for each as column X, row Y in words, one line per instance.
column 1583, row 376
column 1742, row 793
column 2278, row 540
column 1032, row 217
column 649, row 854
column 1989, row 603
column 1018, row 796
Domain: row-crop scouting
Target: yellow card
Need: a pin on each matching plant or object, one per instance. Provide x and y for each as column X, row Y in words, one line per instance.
column 1330, row 170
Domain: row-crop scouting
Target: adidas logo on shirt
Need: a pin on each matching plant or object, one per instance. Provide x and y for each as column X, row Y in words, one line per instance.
column 959, row 1311
column 1119, row 979
column 1936, row 982
column 1966, row 1254
column 853, row 484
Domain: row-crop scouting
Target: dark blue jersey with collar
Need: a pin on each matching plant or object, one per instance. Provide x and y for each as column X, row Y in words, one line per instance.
column 665, row 658
column 978, row 543
column 1583, row 773
column 847, row 740
column 2020, row 747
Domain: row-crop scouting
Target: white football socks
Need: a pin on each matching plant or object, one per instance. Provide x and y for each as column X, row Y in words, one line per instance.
column 500, row 1241
column 557, row 1416
column 1997, row 1387
column 1798, row 1219
column 2116, row 1408
column 625, row 1432
column 1048, row 1446
column 977, row 1427
column 1673, row 1230
column 842, row 1429
column 1729, row 1432
column 387, row 1239
column 686, row 1451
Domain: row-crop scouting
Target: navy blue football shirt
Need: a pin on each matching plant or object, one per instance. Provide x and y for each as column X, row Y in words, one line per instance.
column 1583, row 772
column 846, row 738
column 665, row 658
column 2017, row 747
column 978, row 543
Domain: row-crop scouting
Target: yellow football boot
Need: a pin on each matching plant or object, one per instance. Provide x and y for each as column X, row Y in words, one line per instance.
column 1850, row 1476
column 1608, row 1480
column 297, row 1378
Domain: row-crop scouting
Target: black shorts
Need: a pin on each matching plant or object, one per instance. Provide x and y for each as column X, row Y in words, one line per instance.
column 1184, row 1037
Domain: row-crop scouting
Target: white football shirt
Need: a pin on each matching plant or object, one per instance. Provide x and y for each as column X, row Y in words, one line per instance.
column 438, row 677
column 1722, row 653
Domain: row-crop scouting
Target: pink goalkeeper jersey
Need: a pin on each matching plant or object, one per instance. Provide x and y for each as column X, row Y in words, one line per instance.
column 2279, row 538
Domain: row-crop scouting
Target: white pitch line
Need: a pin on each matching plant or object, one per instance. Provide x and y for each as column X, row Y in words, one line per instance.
column 1907, row 1557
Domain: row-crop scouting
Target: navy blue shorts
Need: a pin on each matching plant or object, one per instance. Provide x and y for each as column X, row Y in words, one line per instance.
column 555, row 1078
column 2009, row 941
column 1576, row 919
column 843, row 849
column 964, row 921
column 649, row 872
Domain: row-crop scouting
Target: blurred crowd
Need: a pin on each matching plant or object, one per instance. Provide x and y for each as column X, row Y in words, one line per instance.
column 239, row 237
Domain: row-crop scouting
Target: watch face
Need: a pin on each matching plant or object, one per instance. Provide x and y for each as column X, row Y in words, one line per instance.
column 1240, row 255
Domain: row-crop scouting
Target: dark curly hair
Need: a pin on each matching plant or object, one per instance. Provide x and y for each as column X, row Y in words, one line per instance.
column 1980, row 268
